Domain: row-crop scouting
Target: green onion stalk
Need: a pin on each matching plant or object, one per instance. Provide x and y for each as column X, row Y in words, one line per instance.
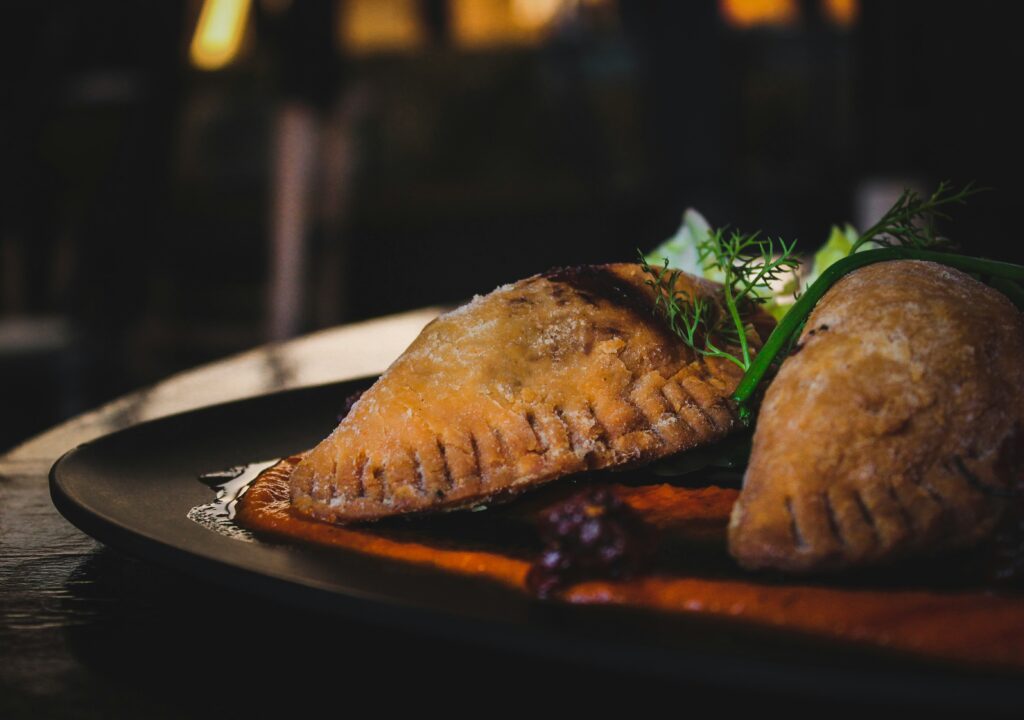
column 1001, row 275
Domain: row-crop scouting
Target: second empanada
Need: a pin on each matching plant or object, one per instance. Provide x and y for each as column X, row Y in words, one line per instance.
column 896, row 429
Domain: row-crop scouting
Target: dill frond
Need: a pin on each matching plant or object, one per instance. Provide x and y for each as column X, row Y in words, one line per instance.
column 910, row 222
column 749, row 264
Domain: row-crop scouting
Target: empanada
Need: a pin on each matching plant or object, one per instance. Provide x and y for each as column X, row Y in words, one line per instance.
column 561, row 372
column 895, row 429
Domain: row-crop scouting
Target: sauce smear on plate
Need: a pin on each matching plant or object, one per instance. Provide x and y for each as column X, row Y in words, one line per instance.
column 941, row 610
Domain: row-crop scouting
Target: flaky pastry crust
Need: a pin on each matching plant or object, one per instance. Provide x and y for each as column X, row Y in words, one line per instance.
column 895, row 429
column 559, row 373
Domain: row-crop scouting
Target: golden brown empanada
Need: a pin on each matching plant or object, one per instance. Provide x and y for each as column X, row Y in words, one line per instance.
column 558, row 373
column 894, row 430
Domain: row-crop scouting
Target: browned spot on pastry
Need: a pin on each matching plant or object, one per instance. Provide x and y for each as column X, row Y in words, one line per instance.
column 597, row 282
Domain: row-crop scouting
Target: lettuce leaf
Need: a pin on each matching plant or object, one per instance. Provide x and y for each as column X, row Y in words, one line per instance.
column 682, row 252
column 681, row 249
column 840, row 242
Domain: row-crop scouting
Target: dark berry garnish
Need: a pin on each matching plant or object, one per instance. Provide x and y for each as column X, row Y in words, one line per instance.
column 589, row 534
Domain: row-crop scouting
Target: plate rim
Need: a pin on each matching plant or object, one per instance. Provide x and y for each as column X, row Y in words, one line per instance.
column 915, row 685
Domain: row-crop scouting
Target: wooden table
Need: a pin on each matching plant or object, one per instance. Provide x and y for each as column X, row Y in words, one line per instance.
column 86, row 631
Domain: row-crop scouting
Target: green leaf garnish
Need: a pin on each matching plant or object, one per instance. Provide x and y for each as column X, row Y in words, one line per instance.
column 749, row 265
column 781, row 337
column 910, row 222
column 680, row 250
column 840, row 243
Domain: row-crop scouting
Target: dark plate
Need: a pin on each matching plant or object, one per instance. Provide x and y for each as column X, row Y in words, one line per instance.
column 132, row 490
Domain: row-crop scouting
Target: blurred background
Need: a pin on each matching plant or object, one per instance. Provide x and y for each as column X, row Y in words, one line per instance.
column 184, row 180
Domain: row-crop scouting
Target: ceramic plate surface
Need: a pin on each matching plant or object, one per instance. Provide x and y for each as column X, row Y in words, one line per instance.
column 133, row 490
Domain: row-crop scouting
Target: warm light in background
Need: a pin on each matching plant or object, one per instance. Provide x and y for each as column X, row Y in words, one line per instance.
column 536, row 13
column 368, row 26
column 219, row 32
column 841, row 12
column 478, row 23
column 744, row 14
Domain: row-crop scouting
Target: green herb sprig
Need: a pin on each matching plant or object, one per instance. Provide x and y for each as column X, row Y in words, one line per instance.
column 688, row 317
column 905, row 232
column 910, row 222
column 749, row 264
column 797, row 316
